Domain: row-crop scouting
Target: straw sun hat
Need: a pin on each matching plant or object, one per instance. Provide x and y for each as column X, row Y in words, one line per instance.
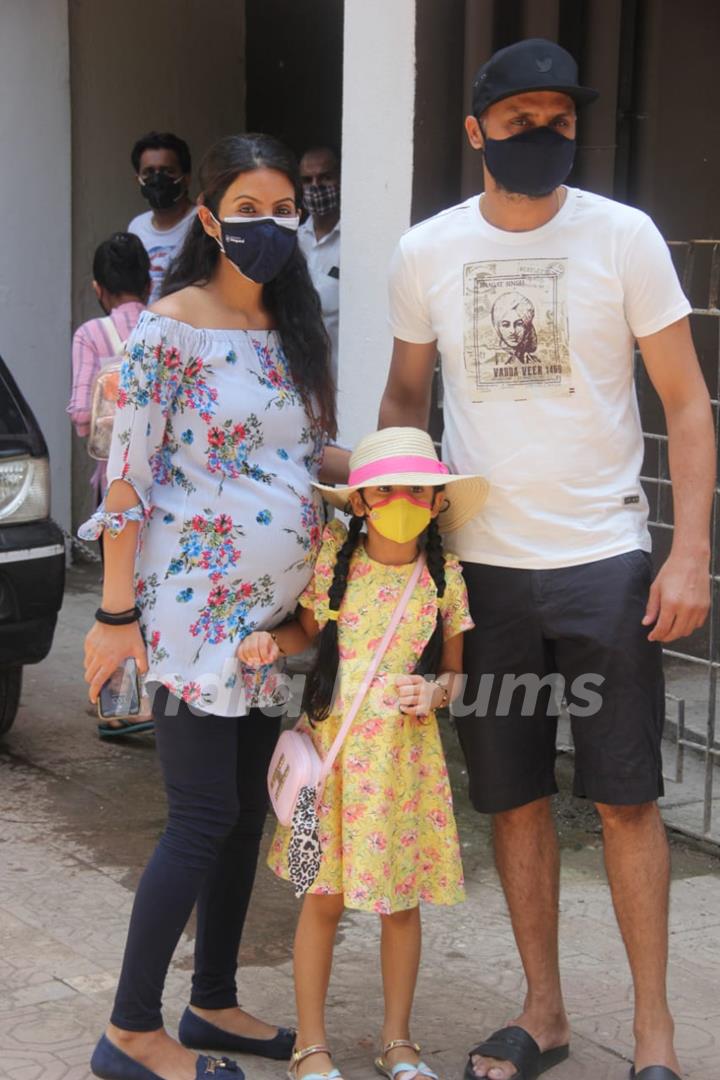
column 406, row 456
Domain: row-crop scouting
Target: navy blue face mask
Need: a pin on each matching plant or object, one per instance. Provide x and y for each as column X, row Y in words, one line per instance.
column 259, row 247
column 533, row 163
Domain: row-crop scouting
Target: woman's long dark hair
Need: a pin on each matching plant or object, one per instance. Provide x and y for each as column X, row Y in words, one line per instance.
column 290, row 298
column 320, row 683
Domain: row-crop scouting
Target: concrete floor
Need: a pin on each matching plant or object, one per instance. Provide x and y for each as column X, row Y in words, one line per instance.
column 79, row 818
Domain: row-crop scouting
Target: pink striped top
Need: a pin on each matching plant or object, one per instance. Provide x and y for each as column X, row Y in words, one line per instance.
column 90, row 346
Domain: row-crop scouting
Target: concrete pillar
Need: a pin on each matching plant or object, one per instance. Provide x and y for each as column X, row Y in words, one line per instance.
column 378, row 121
column 35, row 197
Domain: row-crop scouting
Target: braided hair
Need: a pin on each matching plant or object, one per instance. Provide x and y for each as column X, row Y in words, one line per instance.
column 320, row 683
column 429, row 662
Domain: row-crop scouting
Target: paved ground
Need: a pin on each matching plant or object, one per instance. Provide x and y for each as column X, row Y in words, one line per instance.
column 80, row 817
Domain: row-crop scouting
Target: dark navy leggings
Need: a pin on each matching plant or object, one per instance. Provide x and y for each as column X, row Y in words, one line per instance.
column 215, row 770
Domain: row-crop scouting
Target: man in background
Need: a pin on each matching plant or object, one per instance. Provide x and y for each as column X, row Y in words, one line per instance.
column 319, row 236
column 162, row 165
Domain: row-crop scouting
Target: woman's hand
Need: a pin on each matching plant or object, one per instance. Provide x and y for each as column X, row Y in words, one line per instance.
column 415, row 694
column 107, row 648
column 257, row 649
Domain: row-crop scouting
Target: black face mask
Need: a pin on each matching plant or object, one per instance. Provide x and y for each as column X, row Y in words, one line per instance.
column 533, row 163
column 161, row 191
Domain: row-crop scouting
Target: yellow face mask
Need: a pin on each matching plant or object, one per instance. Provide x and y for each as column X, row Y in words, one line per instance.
column 400, row 518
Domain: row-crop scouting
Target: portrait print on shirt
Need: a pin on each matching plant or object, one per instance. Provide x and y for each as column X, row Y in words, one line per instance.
column 515, row 332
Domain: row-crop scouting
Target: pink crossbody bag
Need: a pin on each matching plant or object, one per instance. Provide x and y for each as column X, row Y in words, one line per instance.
column 296, row 763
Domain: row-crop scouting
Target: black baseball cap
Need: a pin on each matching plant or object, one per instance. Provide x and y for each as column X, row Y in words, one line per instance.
column 534, row 64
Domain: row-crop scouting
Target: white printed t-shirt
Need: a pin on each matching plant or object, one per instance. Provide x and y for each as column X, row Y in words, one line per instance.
column 162, row 245
column 535, row 331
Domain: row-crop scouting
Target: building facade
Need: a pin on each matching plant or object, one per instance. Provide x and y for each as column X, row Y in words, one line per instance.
column 80, row 80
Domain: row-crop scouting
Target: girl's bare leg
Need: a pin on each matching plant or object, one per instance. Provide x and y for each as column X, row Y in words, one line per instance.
column 400, row 957
column 313, row 954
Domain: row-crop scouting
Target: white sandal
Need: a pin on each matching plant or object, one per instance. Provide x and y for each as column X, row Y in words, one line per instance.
column 391, row 1072
column 300, row 1055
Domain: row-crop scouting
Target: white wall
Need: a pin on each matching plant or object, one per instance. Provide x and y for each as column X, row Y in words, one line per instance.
column 35, row 203
column 171, row 65
column 377, row 167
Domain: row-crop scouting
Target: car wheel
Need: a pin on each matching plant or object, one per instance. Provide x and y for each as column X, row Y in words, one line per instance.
column 10, row 687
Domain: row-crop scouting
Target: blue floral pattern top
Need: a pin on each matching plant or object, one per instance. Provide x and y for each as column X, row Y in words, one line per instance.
column 212, row 434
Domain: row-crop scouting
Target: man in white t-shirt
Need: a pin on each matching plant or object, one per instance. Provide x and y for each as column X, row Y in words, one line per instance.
column 319, row 236
column 162, row 165
column 533, row 294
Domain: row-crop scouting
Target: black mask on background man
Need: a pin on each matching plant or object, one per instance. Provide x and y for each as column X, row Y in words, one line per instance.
column 162, row 191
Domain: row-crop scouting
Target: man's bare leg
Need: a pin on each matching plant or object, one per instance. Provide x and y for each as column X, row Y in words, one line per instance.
column 637, row 859
column 528, row 861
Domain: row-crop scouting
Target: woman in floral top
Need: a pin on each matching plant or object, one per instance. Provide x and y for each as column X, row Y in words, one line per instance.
column 211, row 529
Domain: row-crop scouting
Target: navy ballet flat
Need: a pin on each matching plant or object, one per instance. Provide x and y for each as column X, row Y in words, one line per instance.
column 110, row 1063
column 197, row 1033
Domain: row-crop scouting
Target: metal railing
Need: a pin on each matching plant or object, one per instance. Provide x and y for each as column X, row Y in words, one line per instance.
column 698, row 264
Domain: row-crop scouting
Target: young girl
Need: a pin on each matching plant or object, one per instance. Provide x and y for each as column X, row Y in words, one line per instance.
column 121, row 283
column 387, row 829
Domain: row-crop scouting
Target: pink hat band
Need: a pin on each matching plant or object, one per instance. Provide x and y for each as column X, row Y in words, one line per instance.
column 401, row 463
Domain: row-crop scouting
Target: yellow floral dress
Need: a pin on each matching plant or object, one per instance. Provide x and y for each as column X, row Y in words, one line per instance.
column 387, row 827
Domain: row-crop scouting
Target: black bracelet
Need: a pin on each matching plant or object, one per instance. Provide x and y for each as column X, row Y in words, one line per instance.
column 120, row 618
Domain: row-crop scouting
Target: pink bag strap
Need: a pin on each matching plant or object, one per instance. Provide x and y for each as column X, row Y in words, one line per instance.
column 370, row 674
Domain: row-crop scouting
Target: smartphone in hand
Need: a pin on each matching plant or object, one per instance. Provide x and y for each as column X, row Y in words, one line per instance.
column 119, row 697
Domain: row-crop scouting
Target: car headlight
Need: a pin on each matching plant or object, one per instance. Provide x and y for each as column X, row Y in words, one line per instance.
column 24, row 490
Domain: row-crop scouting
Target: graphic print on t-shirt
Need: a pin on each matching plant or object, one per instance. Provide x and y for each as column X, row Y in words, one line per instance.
column 160, row 256
column 515, row 333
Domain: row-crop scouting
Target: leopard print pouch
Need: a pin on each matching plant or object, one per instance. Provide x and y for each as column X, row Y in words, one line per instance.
column 304, row 850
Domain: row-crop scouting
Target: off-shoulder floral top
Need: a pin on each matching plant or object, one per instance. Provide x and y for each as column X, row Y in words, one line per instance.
column 212, row 434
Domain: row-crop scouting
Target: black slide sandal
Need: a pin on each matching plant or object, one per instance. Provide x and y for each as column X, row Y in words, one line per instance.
column 516, row 1045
